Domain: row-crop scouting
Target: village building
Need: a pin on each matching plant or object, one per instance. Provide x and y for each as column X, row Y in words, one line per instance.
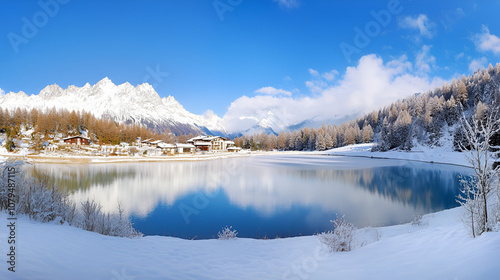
column 231, row 147
column 156, row 142
column 168, row 149
column 200, row 143
column 147, row 142
column 177, row 148
column 211, row 143
column 77, row 140
column 184, row 148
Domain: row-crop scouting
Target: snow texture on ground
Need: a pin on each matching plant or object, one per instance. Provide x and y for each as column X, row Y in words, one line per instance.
column 443, row 154
column 438, row 248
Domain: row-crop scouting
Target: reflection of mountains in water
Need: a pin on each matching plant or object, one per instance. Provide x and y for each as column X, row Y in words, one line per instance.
column 252, row 183
column 423, row 188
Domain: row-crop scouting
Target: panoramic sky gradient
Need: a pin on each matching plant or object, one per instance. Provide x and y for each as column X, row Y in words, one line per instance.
column 295, row 59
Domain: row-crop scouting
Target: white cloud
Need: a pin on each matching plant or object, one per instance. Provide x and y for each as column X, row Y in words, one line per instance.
column 459, row 56
column 289, row 4
column 313, row 72
column 273, row 91
column 477, row 64
column 320, row 81
column 420, row 23
column 2, row 92
column 486, row 41
column 330, row 76
column 367, row 86
column 425, row 61
column 316, row 86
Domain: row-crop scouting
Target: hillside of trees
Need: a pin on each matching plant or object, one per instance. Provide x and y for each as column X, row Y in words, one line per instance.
column 421, row 118
column 47, row 124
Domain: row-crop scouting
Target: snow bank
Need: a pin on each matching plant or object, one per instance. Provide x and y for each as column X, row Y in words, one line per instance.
column 439, row 248
column 443, row 154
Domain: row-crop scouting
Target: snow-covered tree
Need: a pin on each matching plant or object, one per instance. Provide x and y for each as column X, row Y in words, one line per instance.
column 478, row 133
column 402, row 131
column 385, row 136
column 298, row 144
column 320, row 142
column 451, row 111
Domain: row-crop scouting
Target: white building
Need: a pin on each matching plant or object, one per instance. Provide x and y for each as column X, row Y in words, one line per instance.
column 211, row 143
column 184, row 148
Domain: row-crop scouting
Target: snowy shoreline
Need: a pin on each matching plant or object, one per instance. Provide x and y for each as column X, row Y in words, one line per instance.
column 438, row 248
column 438, row 155
column 68, row 159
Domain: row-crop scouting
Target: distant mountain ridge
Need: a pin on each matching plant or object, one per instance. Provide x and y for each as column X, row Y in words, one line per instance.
column 123, row 103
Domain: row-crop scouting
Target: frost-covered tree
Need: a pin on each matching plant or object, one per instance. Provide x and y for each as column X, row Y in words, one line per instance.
column 340, row 239
column 227, row 233
column 434, row 119
column 402, row 131
column 298, row 144
column 385, row 136
column 478, row 132
column 451, row 111
column 320, row 142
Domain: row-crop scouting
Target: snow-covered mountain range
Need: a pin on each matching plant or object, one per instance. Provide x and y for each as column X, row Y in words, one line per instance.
column 123, row 103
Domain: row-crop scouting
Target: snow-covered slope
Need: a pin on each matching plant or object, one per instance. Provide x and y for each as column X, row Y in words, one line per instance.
column 123, row 103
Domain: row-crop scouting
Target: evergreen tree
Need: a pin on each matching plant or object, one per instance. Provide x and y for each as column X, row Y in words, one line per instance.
column 402, row 131
column 320, row 144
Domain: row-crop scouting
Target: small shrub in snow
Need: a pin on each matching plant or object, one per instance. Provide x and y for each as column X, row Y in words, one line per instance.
column 340, row 239
column 114, row 225
column 227, row 233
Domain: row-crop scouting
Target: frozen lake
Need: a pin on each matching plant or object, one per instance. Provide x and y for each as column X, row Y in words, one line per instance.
column 262, row 196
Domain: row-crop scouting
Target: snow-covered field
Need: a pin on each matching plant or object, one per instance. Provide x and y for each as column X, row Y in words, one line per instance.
column 443, row 154
column 439, row 248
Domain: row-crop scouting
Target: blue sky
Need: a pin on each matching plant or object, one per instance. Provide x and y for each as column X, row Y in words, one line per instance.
column 236, row 56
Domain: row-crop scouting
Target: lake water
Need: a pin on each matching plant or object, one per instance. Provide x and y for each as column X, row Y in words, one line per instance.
column 262, row 196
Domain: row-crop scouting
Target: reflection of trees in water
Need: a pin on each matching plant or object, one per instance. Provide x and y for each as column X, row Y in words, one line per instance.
column 72, row 179
column 141, row 186
column 423, row 188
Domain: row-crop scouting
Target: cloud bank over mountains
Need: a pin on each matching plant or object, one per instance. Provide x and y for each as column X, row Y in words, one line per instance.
column 370, row 84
